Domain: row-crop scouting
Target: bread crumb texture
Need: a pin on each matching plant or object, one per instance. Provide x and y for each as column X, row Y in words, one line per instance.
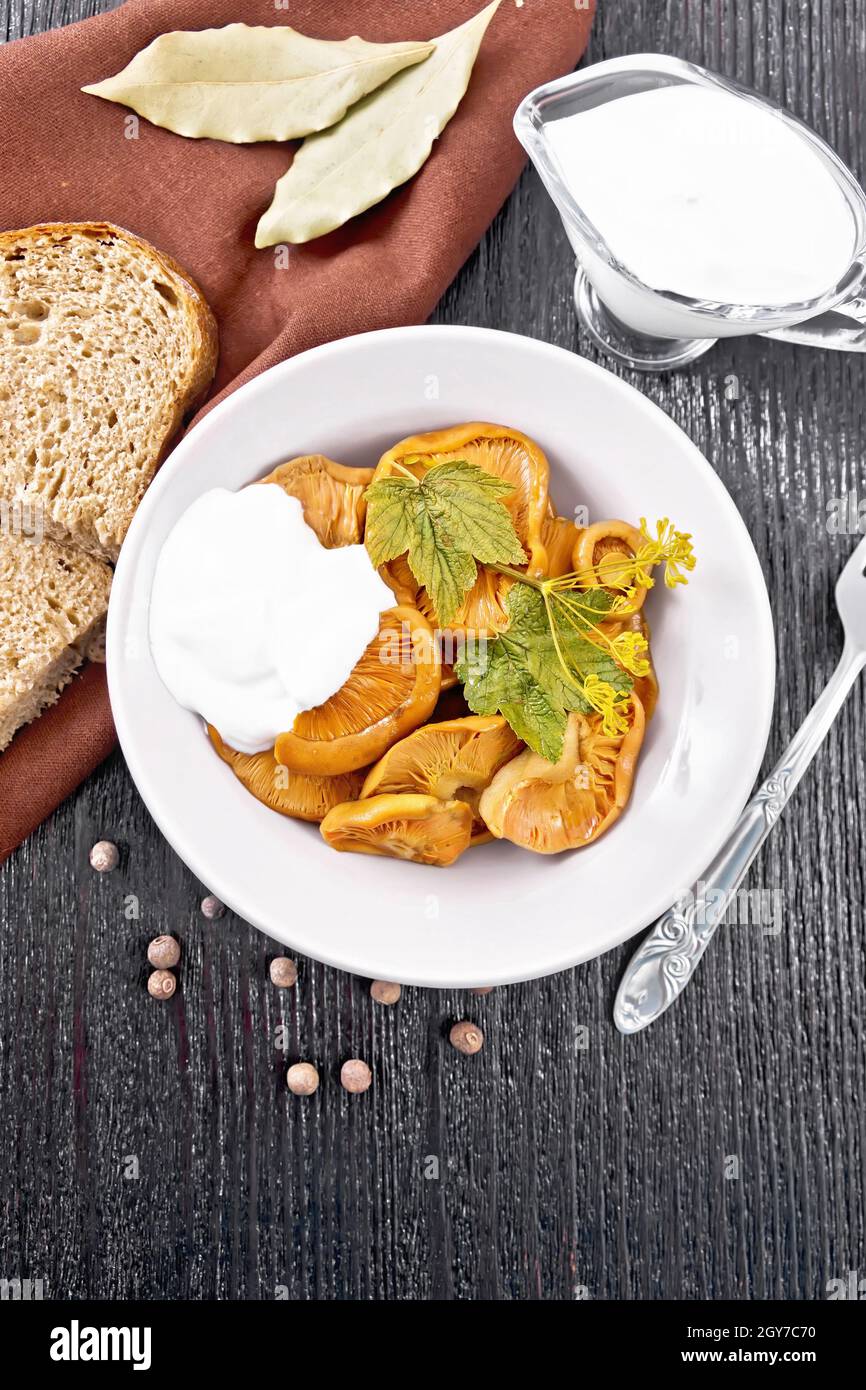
column 53, row 601
column 104, row 346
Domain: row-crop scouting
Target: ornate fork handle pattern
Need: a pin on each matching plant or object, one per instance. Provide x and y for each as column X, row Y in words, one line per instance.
column 665, row 961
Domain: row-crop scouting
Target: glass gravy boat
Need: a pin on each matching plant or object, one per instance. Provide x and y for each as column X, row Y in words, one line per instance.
column 655, row 330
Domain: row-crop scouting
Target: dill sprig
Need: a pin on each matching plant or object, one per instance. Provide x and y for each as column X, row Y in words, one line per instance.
column 581, row 602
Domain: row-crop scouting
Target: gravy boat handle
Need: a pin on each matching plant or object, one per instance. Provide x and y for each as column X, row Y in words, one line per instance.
column 842, row 328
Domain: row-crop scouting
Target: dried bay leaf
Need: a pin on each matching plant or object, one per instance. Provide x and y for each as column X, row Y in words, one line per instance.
column 380, row 144
column 245, row 83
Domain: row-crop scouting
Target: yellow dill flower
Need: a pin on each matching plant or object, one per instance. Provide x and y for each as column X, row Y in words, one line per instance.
column 628, row 648
column 622, row 604
column 670, row 547
column 611, row 704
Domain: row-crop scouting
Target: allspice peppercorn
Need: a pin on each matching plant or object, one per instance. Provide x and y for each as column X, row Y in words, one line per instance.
column 104, row 857
column 302, row 1079
column 161, row 984
column 164, row 952
column 212, row 908
column 385, row 991
column 355, row 1076
column 283, row 972
column 467, row 1038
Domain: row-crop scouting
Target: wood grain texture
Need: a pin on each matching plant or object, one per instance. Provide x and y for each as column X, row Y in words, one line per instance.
column 572, row 1162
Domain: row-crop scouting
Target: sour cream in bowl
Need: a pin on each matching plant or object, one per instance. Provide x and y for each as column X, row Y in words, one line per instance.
column 252, row 620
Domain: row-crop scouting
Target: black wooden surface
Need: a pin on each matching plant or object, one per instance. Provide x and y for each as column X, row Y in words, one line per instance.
column 572, row 1163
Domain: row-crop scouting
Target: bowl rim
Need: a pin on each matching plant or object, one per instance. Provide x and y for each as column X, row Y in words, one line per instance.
column 223, row 883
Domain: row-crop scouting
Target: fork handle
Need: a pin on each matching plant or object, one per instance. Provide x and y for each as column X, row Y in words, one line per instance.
column 666, row 959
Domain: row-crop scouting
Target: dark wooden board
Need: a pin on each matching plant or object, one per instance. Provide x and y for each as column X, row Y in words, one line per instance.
column 572, row 1162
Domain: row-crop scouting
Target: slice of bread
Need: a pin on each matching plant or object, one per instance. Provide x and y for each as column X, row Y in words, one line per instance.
column 105, row 344
column 53, row 601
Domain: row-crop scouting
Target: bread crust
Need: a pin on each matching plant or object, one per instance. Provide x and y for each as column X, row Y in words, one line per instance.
column 196, row 311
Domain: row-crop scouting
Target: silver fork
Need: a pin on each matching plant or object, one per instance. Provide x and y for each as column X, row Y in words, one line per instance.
column 667, row 958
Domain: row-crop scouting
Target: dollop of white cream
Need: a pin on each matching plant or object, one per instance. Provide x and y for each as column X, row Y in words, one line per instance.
column 251, row 619
column 707, row 194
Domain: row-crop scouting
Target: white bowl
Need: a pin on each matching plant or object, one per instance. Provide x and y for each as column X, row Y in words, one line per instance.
column 499, row 914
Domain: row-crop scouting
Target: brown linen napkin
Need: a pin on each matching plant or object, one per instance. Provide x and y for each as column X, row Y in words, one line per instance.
column 68, row 157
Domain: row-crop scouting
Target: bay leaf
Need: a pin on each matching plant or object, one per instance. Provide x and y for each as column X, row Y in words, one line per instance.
column 380, row 144
column 244, row 83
